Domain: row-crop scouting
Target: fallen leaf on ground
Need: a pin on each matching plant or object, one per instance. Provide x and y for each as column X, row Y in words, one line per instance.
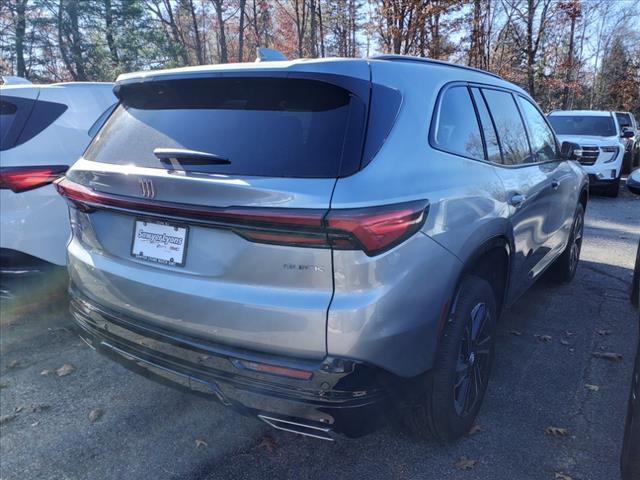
column 201, row 443
column 562, row 476
column 465, row 463
column 593, row 388
column 35, row 424
column 13, row 364
column 66, row 369
column 517, row 333
column 95, row 414
column 556, row 431
column 46, row 372
column 602, row 332
column 565, row 342
column 543, row 338
column 38, row 407
column 612, row 357
column 268, row 443
column 475, row 429
column 7, row 418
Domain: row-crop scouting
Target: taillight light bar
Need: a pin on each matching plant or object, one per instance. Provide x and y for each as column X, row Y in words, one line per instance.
column 370, row 229
column 21, row 179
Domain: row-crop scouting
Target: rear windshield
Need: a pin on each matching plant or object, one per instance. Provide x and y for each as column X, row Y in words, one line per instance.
column 263, row 126
column 583, row 125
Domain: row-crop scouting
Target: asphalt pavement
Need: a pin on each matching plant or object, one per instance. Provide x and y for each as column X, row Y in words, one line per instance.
column 100, row 421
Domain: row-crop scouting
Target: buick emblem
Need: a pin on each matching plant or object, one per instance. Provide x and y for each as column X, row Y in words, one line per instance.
column 146, row 186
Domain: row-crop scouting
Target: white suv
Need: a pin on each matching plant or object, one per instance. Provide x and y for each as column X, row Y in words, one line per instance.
column 43, row 130
column 602, row 142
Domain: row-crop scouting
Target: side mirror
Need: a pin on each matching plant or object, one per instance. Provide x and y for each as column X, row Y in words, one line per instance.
column 633, row 182
column 627, row 133
column 570, row 151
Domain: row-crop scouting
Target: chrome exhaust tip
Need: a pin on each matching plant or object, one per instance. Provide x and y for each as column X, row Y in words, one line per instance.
column 322, row 433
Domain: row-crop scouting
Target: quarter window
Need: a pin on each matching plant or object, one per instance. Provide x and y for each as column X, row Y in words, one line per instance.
column 509, row 126
column 543, row 142
column 456, row 129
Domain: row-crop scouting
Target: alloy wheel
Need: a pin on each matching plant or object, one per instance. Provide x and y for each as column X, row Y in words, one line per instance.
column 473, row 361
column 576, row 245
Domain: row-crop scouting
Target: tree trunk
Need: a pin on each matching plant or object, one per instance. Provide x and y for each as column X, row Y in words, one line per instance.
column 222, row 38
column 76, row 42
column 567, row 78
column 321, row 29
column 108, row 19
column 243, row 4
column 196, row 32
column 61, row 43
column 531, row 54
column 21, row 27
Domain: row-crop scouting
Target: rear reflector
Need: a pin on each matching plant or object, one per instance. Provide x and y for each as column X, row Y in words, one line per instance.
column 274, row 370
column 21, row 179
column 371, row 229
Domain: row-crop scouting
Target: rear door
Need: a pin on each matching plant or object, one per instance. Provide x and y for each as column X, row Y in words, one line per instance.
column 526, row 184
column 227, row 168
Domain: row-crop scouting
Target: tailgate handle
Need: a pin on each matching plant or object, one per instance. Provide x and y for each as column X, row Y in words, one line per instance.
column 180, row 157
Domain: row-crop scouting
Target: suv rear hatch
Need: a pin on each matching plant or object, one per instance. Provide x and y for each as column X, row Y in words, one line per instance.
column 192, row 196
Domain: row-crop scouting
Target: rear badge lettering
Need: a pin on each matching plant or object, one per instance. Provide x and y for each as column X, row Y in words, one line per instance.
column 306, row 268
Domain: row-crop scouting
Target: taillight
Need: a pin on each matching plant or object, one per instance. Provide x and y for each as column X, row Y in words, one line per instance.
column 375, row 229
column 21, row 179
column 371, row 229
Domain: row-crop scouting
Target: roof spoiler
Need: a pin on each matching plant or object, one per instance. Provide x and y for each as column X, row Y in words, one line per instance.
column 269, row 55
column 12, row 80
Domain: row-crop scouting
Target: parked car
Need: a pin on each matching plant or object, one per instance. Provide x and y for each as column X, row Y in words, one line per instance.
column 602, row 142
column 627, row 121
column 43, row 130
column 630, row 459
column 315, row 242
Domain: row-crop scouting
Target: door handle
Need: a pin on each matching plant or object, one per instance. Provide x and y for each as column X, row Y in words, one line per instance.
column 555, row 184
column 517, row 199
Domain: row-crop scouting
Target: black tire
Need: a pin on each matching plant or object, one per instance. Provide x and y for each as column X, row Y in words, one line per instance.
column 449, row 404
column 627, row 162
column 564, row 268
column 630, row 456
column 613, row 188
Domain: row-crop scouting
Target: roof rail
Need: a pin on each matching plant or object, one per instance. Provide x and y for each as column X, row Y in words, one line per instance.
column 410, row 58
column 12, row 80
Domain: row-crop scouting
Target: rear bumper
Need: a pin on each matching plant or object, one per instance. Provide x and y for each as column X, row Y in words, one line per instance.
column 340, row 397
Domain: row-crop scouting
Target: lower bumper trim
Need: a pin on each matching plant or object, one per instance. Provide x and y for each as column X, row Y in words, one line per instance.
column 351, row 402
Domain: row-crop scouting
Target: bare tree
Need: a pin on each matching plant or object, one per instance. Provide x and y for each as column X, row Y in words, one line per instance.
column 533, row 17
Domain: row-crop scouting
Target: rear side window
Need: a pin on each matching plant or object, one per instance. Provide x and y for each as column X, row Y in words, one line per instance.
column 543, row 141
column 282, row 127
column 42, row 115
column 21, row 119
column 456, row 129
column 8, row 112
column 624, row 120
column 509, row 126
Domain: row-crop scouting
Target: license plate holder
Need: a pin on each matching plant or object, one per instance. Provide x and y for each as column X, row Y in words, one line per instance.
column 159, row 242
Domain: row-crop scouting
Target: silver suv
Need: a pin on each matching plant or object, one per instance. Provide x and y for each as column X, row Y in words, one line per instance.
column 319, row 242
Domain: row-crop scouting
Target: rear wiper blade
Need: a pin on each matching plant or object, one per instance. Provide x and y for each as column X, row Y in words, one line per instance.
column 184, row 156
